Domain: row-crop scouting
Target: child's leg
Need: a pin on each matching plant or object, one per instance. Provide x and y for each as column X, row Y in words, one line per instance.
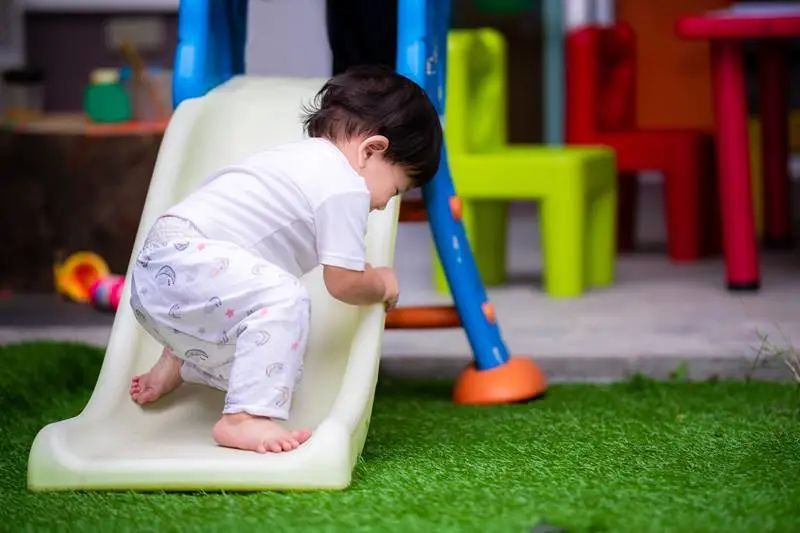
column 165, row 375
column 266, row 365
column 238, row 323
column 163, row 378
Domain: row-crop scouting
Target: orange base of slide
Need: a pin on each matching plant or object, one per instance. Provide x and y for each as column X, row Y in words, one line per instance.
column 517, row 380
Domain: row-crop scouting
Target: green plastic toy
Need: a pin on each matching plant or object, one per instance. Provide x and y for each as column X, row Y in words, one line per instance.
column 575, row 186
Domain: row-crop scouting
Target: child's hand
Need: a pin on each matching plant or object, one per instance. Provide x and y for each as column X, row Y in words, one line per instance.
column 367, row 287
column 392, row 288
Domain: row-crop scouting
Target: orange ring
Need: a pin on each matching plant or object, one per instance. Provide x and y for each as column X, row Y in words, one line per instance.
column 488, row 312
column 428, row 317
column 413, row 211
column 456, row 207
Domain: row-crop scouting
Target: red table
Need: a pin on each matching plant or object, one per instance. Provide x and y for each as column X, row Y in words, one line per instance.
column 726, row 30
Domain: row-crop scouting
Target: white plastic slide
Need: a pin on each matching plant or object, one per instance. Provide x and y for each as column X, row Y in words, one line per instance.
column 116, row 444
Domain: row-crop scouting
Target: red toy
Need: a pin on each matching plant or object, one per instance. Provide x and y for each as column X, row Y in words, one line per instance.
column 601, row 109
column 106, row 292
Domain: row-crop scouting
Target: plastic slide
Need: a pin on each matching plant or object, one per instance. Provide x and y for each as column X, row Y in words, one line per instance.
column 116, row 444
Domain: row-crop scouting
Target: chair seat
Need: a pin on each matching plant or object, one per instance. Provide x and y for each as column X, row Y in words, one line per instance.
column 652, row 149
column 530, row 171
column 577, row 190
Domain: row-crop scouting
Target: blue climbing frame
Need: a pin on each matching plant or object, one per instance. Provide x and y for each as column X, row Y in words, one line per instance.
column 421, row 53
column 210, row 50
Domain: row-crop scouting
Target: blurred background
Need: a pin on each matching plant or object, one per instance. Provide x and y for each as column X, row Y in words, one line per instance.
column 86, row 96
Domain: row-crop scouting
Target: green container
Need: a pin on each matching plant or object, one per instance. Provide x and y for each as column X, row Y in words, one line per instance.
column 105, row 99
column 507, row 6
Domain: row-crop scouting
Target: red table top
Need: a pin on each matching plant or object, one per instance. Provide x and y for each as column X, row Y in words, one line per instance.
column 727, row 24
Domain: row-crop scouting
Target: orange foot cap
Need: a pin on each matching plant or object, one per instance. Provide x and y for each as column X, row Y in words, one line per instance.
column 517, row 380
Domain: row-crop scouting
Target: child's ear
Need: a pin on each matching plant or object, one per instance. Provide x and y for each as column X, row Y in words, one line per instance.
column 372, row 145
column 375, row 144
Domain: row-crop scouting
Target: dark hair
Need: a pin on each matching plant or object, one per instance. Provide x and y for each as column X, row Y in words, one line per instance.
column 375, row 100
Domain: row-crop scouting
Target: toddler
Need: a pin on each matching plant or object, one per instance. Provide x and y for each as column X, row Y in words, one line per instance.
column 216, row 281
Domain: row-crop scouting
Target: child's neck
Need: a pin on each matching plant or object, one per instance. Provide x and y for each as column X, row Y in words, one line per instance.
column 349, row 147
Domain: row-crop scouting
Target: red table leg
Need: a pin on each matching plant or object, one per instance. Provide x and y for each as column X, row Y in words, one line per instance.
column 773, row 81
column 738, row 231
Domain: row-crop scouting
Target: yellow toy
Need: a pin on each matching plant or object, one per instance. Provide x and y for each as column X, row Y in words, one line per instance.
column 75, row 276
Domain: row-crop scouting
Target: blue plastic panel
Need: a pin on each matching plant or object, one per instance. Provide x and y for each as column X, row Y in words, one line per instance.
column 210, row 49
column 421, row 53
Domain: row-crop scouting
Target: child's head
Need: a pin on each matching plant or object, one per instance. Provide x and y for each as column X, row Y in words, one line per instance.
column 384, row 123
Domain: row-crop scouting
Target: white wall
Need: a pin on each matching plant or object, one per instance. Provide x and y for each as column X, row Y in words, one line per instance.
column 106, row 6
column 12, row 49
column 12, row 38
column 287, row 38
column 582, row 12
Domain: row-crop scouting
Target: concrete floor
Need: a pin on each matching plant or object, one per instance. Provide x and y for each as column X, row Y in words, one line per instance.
column 657, row 317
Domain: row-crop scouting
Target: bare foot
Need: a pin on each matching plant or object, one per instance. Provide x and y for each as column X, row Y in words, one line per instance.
column 260, row 434
column 162, row 378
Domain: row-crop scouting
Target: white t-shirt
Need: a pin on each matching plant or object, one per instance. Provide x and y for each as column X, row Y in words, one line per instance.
column 298, row 205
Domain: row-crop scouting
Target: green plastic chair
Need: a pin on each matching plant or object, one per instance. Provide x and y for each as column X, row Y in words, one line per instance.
column 575, row 186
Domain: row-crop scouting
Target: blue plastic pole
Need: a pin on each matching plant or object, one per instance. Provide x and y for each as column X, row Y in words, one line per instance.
column 210, row 50
column 421, row 53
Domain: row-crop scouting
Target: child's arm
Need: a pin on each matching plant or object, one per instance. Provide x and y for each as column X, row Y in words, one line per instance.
column 353, row 287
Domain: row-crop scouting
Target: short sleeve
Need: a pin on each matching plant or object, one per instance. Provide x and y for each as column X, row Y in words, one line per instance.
column 341, row 225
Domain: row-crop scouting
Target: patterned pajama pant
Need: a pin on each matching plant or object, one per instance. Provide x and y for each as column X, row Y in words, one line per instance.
column 239, row 323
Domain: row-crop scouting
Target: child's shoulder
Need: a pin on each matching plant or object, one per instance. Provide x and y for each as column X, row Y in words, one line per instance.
column 315, row 164
column 307, row 153
column 306, row 146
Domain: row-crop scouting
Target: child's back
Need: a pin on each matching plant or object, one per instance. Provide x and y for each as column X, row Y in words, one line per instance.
column 297, row 206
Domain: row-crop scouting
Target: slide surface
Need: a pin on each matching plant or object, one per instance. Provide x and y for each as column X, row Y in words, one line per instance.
column 116, row 444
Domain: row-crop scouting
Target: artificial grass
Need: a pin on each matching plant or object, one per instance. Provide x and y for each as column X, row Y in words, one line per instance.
column 635, row 456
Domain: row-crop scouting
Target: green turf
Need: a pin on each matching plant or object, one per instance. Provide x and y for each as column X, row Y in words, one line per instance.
column 637, row 456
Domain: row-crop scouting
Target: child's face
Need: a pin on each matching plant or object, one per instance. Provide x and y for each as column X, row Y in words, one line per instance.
column 383, row 178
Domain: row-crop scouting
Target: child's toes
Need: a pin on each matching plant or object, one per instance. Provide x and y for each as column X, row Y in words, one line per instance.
column 146, row 395
column 301, row 436
column 274, row 446
column 287, row 445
